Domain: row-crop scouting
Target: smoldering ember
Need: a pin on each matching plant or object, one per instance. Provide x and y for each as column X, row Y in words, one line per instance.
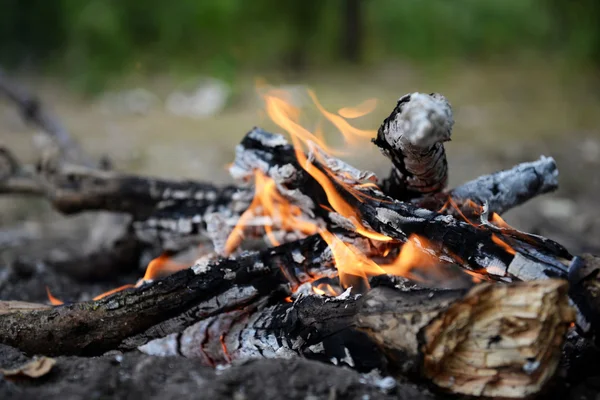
column 312, row 279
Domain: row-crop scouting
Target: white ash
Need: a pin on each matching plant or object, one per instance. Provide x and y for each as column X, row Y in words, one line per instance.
column 525, row 269
column 298, row 257
column 343, row 171
column 201, row 266
column 341, row 221
column 162, row 347
column 268, row 139
column 423, row 121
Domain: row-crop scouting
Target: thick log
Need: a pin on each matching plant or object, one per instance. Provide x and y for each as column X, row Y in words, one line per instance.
column 93, row 327
column 135, row 375
column 495, row 340
column 412, row 138
column 453, row 238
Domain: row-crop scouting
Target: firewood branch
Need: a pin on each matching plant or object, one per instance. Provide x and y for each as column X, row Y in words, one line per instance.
column 94, row 327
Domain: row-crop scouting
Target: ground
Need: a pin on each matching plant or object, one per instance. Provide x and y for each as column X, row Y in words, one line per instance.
column 504, row 115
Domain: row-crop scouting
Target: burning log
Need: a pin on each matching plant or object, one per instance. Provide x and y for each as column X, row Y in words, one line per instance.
column 93, row 327
column 412, row 138
column 491, row 341
column 367, row 210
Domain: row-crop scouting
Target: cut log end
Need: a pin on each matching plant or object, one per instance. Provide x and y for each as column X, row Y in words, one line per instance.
column 497, row 340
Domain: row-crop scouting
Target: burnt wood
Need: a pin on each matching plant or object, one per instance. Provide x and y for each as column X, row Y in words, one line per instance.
column 93, row 327
column 462, row 341
column 412, row 138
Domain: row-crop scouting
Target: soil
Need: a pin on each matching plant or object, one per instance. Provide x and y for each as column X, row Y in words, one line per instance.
column 569, row 216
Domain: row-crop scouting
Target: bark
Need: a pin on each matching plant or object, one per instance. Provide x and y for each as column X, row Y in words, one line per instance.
column 93, row 327
column 479, row 342
column 412, row 138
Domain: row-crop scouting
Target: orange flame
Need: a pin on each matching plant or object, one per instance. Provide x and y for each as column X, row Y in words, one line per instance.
column 112, row 291
column 269, row 202
column 324, row 289
column 53, row 300
column 364, row 108
column 499, row 222
column 349, row 132
column 161, row 266
column 286, row 116
column 503, row 244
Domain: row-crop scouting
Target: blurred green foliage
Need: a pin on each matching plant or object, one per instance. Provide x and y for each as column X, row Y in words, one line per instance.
column 95, row 39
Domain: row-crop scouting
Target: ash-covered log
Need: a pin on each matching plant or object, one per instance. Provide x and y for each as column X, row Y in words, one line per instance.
column 412, row 138
column 501, row 190
column 93, row 327
column 494, row 340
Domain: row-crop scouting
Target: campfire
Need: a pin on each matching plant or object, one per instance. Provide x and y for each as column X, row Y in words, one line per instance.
column 310, row 257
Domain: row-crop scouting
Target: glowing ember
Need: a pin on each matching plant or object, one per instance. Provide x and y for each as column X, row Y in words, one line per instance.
column 324, row 289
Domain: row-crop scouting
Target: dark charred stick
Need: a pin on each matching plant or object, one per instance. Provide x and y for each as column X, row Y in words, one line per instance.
column 465, row 342
column 33, row 112
column 475, row 248
column 94, row 327
column 412, row 138
column 501, row 190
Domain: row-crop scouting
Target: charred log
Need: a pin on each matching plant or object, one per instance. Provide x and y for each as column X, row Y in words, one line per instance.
column 479, row 342
column 94, row 327
column 412, row 138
